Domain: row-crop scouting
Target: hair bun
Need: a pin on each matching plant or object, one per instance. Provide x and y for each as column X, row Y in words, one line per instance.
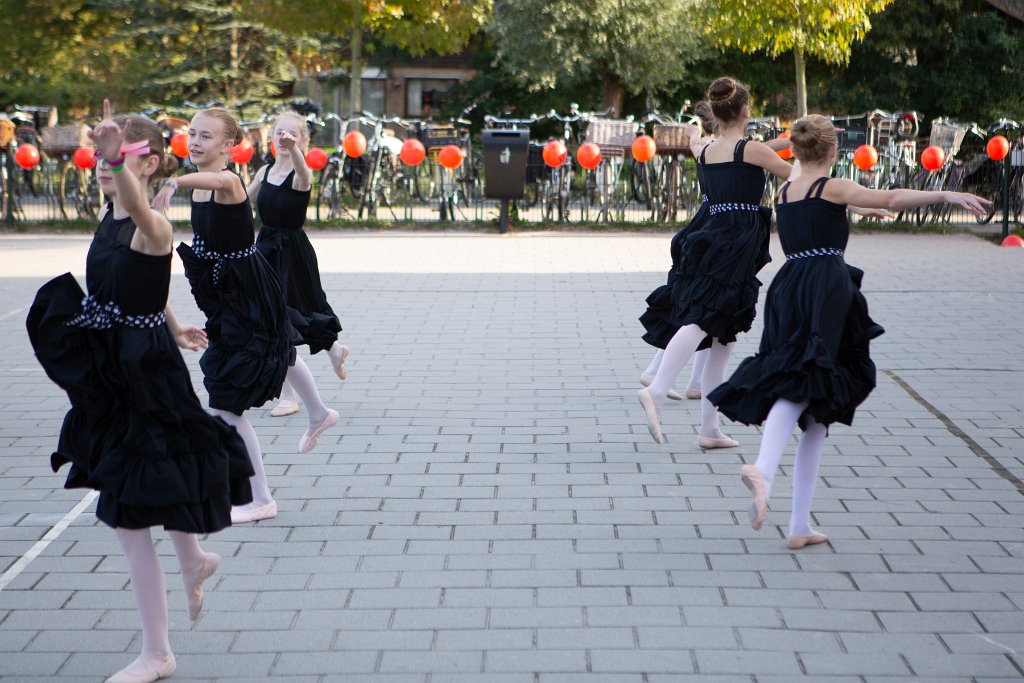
column 722, row 89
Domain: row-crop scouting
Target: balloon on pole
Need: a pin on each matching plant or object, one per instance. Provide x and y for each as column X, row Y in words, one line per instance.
column 27, row 156
column 933, row 157
column 354, row 143
column 84, row 158
column 865, row 157
column 413, row 152
column 179, row 145
column 589, row 155
column 450, row 156
column 786, row 153
column 555, row 153
column 242, row 152
column 644, row 148
column 316, row 158
column 997, row 148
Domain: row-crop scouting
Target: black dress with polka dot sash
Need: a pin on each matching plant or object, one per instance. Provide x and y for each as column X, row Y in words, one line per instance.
column 287, row 248
column 815, row 344
column 136, row 430
column 252, row 343
column 717, row 282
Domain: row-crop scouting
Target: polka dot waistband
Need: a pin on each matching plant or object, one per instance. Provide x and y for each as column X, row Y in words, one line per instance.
column 97, row 316
column 731, row 206
column 829, row 251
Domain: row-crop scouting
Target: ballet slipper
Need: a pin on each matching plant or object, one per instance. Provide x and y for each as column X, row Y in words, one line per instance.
column 797, row 542
column 253, row 513
column 693, row 392
column 758, row 487
column 652, row 413
column 339, row 364
column 708, row 442
column 285, row 407
column 145, row 669
column 194, row 583
column 309, row 440
column 672, row 393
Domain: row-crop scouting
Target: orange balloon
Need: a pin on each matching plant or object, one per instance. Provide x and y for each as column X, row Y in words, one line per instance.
column 179, row 145
column 354, row 143
column 555, row 153
column 242, row 152
column 316, row 158
column 1013, row 241
column 450, row 156
column 788, row 152
column 273, row 150
column 644, row 148
column 413, row 152
column 997, row 148
column 865, row 157
column 933, row 157
column 589, row 155
column 27, row 156
column 84, row 158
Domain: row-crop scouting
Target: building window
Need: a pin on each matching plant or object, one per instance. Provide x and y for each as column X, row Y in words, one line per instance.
column 427, row 96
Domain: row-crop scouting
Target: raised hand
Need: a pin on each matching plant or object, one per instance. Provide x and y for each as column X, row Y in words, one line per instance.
column 287, row 140
column 108, row 136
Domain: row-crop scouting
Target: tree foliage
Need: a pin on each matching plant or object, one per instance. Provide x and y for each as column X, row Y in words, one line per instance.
column 637, row 46
column 824, row 29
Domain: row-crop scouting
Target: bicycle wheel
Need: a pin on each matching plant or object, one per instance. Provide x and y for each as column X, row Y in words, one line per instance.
column 69, row 190
column 328, row 201
column 669, row 193
column 423, row 185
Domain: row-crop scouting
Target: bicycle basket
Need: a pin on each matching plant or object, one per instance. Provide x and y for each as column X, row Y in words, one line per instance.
column 948, row 135
column 6, row 132
column 614, row 136
column 671, row 139
column 440, row 136
column 65, row 139
column 851, row 137
column 1017, row 157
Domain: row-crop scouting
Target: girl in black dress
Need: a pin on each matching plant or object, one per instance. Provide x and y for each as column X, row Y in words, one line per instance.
column 813, row 367
column 280, row 191
column 136, row 430
column 717, row 286
column 251, row 341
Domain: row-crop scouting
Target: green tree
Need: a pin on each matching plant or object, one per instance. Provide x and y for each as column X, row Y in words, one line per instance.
column 417, row 26
column 825, row 29
column 635, row 46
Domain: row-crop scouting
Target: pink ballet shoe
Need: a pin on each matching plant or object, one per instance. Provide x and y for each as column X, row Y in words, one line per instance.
column 194, row 592
column 284, row 408
column 652, row 414
column 339, row 364
column 146, row 669
column 672, row 393
column 708, row 442
column 309, row 440
column 758, row 487
column 797, row 542
column 693, row 392
column 253, row 513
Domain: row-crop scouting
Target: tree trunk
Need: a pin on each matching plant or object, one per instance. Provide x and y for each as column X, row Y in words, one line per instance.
column 612, row 94
column 355, row 82
column 801, row 82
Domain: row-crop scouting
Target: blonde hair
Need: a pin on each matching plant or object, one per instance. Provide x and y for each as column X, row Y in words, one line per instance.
column 143, row 128
column 702, row 110
column 303, row 128
column 232, row 131
column 813, row 137
column 727, row 97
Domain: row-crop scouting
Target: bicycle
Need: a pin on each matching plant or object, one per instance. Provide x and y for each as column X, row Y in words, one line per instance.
column 10, row 192
column 948, row 135
column 605, row 191
column 78, row 192
column 677, row 188
column 556, row 191
column 985, row 176
column 764, row 129
column 380, row 182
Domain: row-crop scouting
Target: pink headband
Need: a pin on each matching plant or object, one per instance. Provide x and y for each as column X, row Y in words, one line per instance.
column 140, row 148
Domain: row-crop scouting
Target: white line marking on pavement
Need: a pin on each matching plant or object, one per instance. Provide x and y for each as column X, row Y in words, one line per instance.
column 51, row 535
column 5, row 316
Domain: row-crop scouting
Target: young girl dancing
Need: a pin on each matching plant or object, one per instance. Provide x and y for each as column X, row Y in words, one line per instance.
column 280, row 192
column 717, row 286
column 251, row 341
column 813, row 367
column 136, row 430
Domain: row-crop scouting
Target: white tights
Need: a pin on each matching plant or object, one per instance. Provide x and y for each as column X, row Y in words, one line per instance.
column 699, row 359
column 683, row 345
column 148, row 584
column 260, row 489
column 782, row 419
column 299, row 380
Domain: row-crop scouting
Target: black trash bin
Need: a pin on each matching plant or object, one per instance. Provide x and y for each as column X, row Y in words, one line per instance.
column 505, row 156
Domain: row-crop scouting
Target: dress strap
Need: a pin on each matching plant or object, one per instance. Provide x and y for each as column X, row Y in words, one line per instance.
column 782, row 193
column 737, row 154
column 703, row 150
column 816, row 188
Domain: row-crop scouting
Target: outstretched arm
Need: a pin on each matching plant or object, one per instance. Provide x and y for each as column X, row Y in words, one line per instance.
column 762, row 155
column 845, row 191
column 303, row 179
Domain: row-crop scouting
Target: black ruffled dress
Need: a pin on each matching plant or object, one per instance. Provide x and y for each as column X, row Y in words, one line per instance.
column 817, row 331
column 136, row 430
column 285, row 245
column 252, row 344
column 717, row 284
column 658, row 320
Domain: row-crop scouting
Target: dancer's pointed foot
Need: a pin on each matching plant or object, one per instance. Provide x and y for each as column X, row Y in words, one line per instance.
column 692, row 392
column 194, row 583
column 311, row 438
column 797, row 542
column 652, row 413
column 146, row 669
column 338, row 361
column 285, row 407
column 758, row 487
column 707, row 442
column 672, row 393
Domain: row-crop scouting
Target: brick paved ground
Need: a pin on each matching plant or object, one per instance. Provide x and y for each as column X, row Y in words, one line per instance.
column 492, row 508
